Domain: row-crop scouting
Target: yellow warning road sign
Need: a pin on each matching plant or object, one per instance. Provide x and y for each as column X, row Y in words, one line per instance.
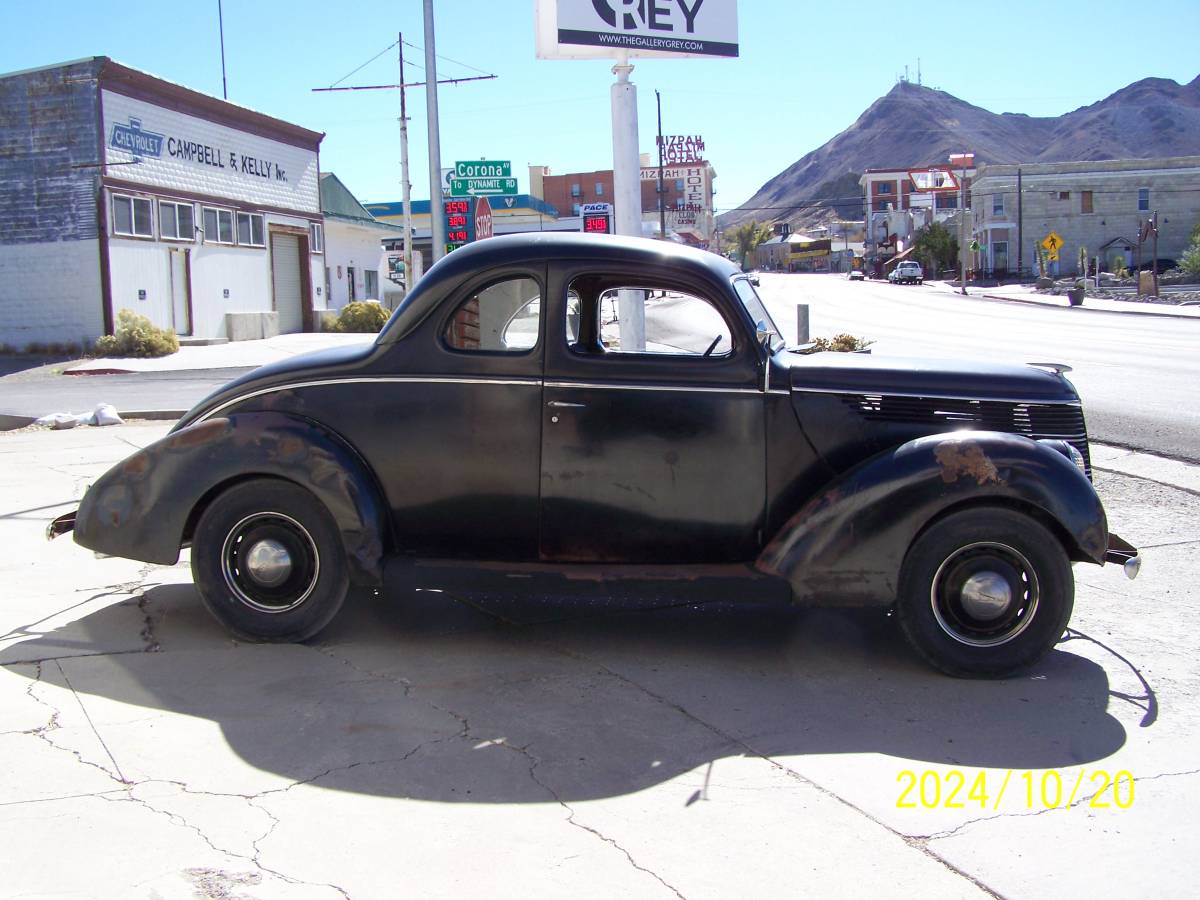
column 1052, row 242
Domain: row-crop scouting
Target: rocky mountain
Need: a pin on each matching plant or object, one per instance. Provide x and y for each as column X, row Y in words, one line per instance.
column 913, row 125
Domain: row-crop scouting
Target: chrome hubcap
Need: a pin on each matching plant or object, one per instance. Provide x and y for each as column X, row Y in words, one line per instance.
column 269, row 563
column 984, row 594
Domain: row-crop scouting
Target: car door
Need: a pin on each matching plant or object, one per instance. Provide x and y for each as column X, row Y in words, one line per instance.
column 651, row 453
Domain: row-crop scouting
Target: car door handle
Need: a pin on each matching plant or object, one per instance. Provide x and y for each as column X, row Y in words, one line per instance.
column 562, row 404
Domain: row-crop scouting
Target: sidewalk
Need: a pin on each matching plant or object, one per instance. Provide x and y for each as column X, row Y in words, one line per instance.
column 1019, row 293
column 234, row 355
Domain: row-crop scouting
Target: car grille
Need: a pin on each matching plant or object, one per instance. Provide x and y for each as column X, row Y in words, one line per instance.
column 1034, row 420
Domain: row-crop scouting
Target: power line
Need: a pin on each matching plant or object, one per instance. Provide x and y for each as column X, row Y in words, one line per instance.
column 448, row 59
column 364, row 65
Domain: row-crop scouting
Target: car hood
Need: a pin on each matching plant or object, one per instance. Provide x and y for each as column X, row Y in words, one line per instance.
column 866, row 373
column 302, row 367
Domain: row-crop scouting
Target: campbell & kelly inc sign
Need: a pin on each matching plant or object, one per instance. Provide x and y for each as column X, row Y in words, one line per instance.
column 175, row 150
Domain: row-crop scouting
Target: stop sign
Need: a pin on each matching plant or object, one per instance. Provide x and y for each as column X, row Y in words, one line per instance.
column 483, row 218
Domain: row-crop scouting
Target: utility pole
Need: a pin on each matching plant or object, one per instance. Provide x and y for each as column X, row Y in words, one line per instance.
column 963, row 160
column 221, row 28
column 1020, row 230
column 406, row 187
column 437, row 221
column 662, row 206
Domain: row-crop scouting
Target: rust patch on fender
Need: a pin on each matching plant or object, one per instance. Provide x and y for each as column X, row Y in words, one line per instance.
column 198, row 435
column 959, row 458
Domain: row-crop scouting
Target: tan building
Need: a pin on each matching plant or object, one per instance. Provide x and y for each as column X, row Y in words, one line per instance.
column 1096, row 205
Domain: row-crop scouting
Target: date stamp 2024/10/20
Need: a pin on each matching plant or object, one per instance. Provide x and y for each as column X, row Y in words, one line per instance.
column 1040, row 790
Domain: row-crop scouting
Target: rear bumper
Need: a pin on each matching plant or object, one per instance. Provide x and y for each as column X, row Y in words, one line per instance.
column 61, row 525
column 1123, row 554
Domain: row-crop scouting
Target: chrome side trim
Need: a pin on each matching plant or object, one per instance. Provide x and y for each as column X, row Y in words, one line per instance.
column 382, row 379
column 653, row 387
column 1024, row 401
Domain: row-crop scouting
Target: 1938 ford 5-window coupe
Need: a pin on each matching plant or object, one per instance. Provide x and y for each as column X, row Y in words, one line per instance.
column 567, row 400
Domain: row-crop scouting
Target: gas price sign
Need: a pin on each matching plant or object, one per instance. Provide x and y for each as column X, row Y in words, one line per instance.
column 596, row 218
column 459, row 223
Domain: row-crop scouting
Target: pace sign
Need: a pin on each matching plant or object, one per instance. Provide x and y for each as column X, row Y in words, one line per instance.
column 596, row 218
column 600, row 29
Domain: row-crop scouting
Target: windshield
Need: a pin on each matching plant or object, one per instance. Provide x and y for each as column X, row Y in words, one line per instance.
column 755, row 307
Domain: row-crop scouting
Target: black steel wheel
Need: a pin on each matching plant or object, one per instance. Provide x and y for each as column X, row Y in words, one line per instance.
column 985, row 592
column 268, row 561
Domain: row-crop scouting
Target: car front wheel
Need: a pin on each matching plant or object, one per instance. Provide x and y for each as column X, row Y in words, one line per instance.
column 268, row 561
column 985, row 592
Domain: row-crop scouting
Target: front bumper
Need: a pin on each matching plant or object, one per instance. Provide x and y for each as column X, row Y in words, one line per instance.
column 1124, row 554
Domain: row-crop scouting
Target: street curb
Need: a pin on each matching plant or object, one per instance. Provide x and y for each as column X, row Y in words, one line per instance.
column 11, row 422
column 1092, row 309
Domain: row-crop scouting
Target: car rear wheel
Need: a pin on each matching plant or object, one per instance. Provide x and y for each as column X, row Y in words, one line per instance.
column 268, row 561
column 985, row 592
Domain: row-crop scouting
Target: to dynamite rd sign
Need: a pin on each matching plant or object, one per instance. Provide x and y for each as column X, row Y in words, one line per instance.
column 478, row 187
column 483, row 168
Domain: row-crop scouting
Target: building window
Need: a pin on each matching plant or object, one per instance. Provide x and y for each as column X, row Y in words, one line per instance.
column 176, row 221
column 371, row 286
column 250, row 230
column 1085, row 202
column 574, row 209
column 1143, row 199
column 599, row 188
column 997, row 204
column 679, row 184
column 351, row 293
column 885, row 188
column 132, row 216
column 1064, row 195
column 576, row 190
column 218, row 226
column 316, row 237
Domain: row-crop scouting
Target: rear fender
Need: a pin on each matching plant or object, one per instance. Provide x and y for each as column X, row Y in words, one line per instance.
column 847, row 544
column 141, row 508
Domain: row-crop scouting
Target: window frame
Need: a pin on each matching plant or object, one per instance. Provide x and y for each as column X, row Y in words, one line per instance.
column 474, row 291
column 134, row 200
column 1140, row 192
column 232, row 242
column 1087, row 203
column 175, row 207
column 997, row 204
column 262, row 225
column 574, row 350
column 316, row 237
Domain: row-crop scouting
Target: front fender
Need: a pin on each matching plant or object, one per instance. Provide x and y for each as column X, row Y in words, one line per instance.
column 140, row 508
column 846, row 545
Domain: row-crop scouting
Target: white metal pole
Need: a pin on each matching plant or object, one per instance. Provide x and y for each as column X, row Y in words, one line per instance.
column 436, row 220
column 409, row 278
column 627, row 195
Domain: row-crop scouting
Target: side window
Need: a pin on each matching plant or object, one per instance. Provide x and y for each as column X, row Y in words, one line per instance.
column 504, row 317
column 677, row 323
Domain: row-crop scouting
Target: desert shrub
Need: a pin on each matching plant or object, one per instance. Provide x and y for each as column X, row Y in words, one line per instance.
column 841, row 343
column 1190, row 262
column 361, row 318
column 137, row 336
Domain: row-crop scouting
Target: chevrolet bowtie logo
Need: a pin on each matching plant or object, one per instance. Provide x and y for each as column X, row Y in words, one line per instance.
column 132, row 139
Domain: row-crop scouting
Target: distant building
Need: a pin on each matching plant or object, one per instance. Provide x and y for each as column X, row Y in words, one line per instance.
column 686, row 197
column 897, row 207
column 119, row 190
column 1096, row 205
column 353, row 245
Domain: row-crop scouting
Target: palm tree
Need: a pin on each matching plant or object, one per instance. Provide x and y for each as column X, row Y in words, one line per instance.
column 746, row 237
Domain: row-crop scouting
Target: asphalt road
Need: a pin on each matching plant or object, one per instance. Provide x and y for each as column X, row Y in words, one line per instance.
column 1138, row 375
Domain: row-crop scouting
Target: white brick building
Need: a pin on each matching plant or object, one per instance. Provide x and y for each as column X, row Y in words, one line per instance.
column 119, row 190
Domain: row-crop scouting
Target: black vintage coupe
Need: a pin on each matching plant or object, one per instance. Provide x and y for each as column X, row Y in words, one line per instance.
column 569, row 401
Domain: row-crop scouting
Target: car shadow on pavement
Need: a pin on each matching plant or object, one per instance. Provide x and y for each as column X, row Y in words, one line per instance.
column 516, row 696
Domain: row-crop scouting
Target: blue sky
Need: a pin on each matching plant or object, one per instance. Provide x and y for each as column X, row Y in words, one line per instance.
column 806, row 71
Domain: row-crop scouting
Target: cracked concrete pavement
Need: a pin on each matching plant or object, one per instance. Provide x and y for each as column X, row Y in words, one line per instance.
column 507, row 738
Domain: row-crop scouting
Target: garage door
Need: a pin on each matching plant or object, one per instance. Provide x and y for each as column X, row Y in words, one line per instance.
column 285, row 276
